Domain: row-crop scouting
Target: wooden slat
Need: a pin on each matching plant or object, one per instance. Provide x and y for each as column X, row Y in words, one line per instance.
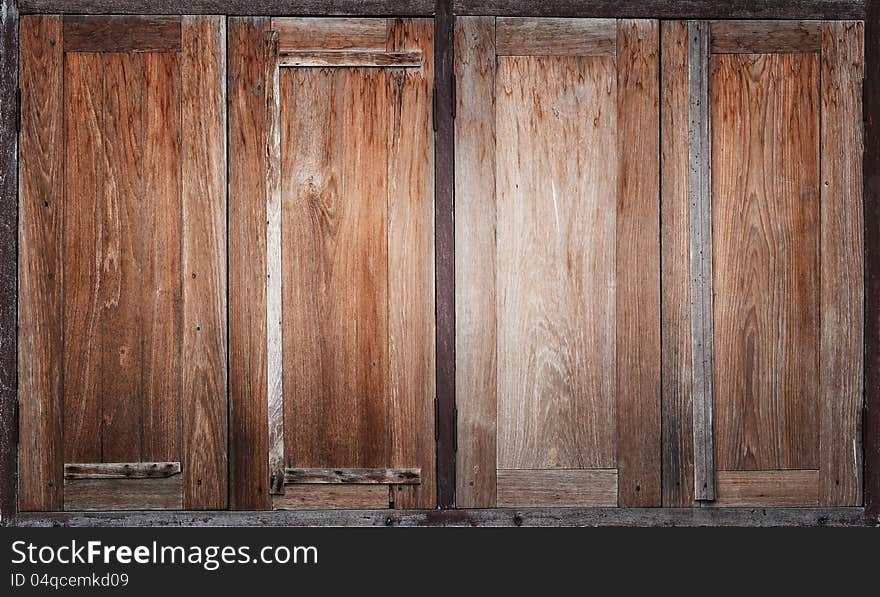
column 770, row 489
column 360, row 59
column 123, row 251
column 203, row 105
column 765, row 129
column 475, row 261
column 638, row 263
column 328, row 497
column 517, row 36
column 121, row 470
column 570, row 488
column 330, row 33
column 411, row 265
column 162, row 328
column 248, row 190
column 121, row 34
column 124, row 494
column 675, row 330
column 84, row 174
column 40, row 262
column 386, row 476
column 765, row 37
column 699, row 190
column 841, row 268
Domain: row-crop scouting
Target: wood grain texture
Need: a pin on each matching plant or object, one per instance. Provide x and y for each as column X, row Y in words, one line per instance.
column 354, row 59
column 121, row 470
column 637, row 280
column 121, row 34
column 124, row 494
column 233, row 7
column 676, row 392
column 769, row 489
column 382, row 476
column 556, row 262
column 765, row 129
column 517, row 36
column 841, row 346
column 765, row 37
column 568, row 488
column 411, row 264
column 203, row 160
column 328, row 497
column 40, row 263
column 248, row 367
column 475, row 371
column 330, row 33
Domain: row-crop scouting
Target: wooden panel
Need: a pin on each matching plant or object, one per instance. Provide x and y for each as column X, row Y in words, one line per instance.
column 330, row 33
column 475, row 261
column 765, row 37
column 556, row 299
column 411, row 265
column 121, row 288
column 382, row 476
column 40, row 261
column 516, row 36
column 234, row 7
column 203, row 104
column 677, row 427
column 162, row 306
column 124, row 494
column 842, row 262
column 83, row 221
column 352, row 59
column 638, row 264
column 248, row 369
column 323, row 497
column 524, row 488
column 334, row 218
column 121, row 34
column 770, row 489
column 765, row 121
column 121, row 470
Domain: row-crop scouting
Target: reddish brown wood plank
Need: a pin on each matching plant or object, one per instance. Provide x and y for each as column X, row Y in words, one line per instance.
column 123, row 494
column 324, row 497
column 523, row 36
column 310, row 33
column 765, row 37
column 121, row 34
column 768, row 489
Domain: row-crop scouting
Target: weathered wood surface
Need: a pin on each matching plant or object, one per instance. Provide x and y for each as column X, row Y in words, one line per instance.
column 675, row 330
column 121, row 34
column 330, row 33
column 121, row 470
column 765, row 37
column 330, row 497
column 354, row 59
column 556, row 262
column 516, row 36
column 636, row 318
column 841, row 347
column 386, row 476
column 560, row 487
column 475, row 371
column 165, row 493
column 232, row 7
column 40, row 259
column 769, row 489
column 765, row 128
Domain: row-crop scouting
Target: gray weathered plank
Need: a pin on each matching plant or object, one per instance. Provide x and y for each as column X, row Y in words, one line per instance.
column 387, row 476
column 361, row 59
column 559, row 487
column 516, row 36
column 120, row 470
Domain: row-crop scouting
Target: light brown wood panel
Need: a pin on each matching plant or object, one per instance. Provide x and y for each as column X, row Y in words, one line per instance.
column 563, row 488
column 677, row 407
column 770, row 489
column 765, row 164
column 40, row 264
column 523, row 36
column 475, row 261
column 556, row 262
column 637, row 279
column 305, row 33
column 765, row 37
column 203, row 160
column 842, row 260
column 329, row 497
column 123, row 494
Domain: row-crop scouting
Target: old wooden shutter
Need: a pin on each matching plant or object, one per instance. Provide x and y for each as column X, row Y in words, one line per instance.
column 122, row 272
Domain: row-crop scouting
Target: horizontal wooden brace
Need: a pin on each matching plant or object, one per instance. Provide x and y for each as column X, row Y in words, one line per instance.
column 386, row 476
column 765, row 37
column 254, row 8
column 362, row 59
column 121, row 470
column 121, row 34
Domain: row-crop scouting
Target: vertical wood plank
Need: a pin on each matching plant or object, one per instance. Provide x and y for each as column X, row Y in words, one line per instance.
column 122, row 256
column 638, row 264
column 676, row 393
column 842, row 283
column 411, row 265
column 475, row 261
column 163, row 303
column 83, row 221
column 700, row 226
column 40, row 274
column 203, row 157
column 248, row 171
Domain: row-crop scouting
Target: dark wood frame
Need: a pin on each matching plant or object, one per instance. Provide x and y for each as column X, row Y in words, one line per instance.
column 444, row 11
